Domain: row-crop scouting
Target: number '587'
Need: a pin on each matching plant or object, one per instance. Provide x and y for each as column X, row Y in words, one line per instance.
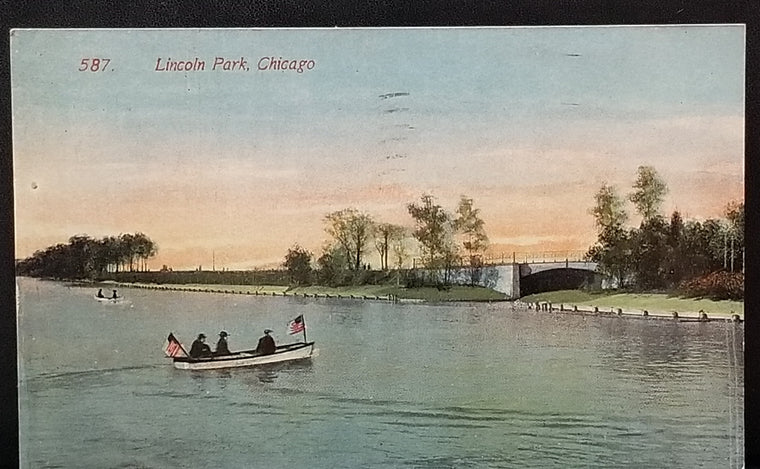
column 94, row 65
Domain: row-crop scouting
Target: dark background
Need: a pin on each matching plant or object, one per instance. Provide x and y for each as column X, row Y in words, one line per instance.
column 331, row 13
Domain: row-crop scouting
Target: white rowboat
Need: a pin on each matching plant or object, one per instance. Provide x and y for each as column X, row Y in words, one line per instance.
column 106, row 299
column 283, row 353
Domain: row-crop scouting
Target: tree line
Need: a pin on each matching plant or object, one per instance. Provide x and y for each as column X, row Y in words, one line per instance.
column 85, row 257
column 444, row 239
column 662, row 253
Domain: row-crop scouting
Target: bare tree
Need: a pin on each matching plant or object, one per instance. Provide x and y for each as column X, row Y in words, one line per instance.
column 352, row 231
column 386, row 234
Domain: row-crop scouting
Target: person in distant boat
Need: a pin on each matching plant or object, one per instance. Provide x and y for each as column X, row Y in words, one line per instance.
column 100, row 293
column 266, row 344
column 221, row 346
column 114, row 296
column 200, row 349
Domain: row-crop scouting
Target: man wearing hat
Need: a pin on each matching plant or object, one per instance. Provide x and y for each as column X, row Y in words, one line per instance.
column 221, row 346
column 266, row 344
column 199, row 349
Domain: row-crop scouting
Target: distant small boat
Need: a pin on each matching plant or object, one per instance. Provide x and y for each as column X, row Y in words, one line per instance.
column 283, row 353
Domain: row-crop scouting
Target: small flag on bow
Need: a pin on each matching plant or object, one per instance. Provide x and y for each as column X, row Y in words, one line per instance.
column 174, row 348
column 296, row 325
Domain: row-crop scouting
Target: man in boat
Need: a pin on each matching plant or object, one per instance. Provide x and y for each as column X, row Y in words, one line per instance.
column 199, row 349
column 114, row 296
column 221, row 346
column 266, row 344
column 100, row 293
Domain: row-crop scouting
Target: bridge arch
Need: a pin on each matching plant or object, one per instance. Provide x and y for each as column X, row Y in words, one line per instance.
column 558, row 278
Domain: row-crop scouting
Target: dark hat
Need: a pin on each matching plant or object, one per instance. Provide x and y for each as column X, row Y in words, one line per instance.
column 267, row 331
column 223, row 334
column 201, row 336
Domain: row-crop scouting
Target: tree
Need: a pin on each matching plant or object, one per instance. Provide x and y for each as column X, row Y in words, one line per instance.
column 386, row 234
column 128, row 250
column 400, row 251
column 613, row 247
column 612, row 253
column 433, row 230
column 734, row 213
column 332, row 266
column 114, row 252
column 649, row 192
column 700, row 254
column 608, row 210
column 144, row 248
column 352, row 230
column 298, row 264
column 649, row 250
column 475, row 241
column 675, row 267
column 80, row 257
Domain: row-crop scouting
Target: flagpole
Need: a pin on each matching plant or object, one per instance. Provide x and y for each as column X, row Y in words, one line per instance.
column 303, row 322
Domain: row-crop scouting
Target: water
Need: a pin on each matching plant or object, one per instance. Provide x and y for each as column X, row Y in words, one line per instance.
column 394, row 386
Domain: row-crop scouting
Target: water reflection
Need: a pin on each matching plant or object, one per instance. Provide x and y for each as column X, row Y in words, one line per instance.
column 269, row 373
column 347, row 318
column 656, row 350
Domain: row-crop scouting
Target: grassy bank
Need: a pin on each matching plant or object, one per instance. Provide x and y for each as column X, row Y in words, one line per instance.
column 454, row 293
column 635, row 302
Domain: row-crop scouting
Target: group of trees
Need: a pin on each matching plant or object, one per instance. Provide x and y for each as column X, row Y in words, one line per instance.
column 661, row 253
column 444, row 240
column 86, row 257
column 447, row 240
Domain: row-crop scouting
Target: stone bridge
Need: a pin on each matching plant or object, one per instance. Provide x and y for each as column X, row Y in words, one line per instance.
column 517, row 279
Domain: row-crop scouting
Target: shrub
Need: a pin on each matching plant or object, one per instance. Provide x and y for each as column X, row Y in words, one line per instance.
column 720, row 285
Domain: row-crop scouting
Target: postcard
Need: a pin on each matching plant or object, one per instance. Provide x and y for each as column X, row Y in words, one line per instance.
column 380, row 247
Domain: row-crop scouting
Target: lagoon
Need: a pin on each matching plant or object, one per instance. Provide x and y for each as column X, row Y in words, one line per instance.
column 394, row 385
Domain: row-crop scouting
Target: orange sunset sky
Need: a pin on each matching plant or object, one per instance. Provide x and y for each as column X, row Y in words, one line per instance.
column 240, row 165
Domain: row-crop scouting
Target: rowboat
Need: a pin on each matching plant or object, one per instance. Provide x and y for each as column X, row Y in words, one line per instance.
column 283, row 353
column 106, row 299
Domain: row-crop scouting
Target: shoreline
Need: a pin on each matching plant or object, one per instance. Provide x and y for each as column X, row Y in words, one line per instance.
column 376, row 294
column 684, row 316
column 657, row 304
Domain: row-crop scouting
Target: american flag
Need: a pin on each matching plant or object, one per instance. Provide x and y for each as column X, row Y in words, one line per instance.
column 174, row 348
column 296, row 325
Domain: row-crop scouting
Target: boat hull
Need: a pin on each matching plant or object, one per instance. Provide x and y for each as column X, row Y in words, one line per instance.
column 109, row 300
column 284, row 353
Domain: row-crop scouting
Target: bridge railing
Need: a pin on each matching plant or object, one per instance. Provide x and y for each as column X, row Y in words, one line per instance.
column 518, row 257
column 535, row 257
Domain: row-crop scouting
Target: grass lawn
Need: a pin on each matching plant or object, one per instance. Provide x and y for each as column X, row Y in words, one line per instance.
column 652, row 302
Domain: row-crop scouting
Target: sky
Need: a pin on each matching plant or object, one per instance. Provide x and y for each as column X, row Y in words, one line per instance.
column 230, row 168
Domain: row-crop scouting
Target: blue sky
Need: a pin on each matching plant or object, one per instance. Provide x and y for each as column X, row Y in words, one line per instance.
column 527, row 121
